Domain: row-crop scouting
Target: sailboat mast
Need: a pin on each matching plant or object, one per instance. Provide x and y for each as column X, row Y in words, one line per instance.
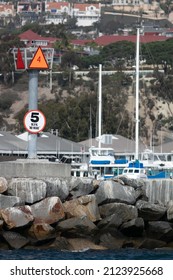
column 100, row 104
column 137, row 99
column 90, row 131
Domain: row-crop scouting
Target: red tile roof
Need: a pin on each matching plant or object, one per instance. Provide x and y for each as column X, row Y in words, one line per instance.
column 56, row 5
column 29, row 35
column 104, row 40
column 78, row 6
column 80, row 42
column 109, row 39
column 83, row 7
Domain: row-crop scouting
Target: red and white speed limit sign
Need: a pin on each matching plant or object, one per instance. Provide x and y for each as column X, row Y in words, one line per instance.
column 34, row 121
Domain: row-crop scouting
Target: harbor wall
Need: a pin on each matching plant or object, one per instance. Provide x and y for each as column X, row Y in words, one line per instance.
column 34, row 168
column 79, row 213
column 159, row 191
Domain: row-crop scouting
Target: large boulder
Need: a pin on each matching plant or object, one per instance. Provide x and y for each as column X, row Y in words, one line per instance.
column 14, row 239
column 57, row 187
column 78, row 226
column 83, row 206
column 149, row 211
column 133, row 228
column 110, row 222
column 16, row 217
column 120, row 210
column 151, row 244
column 9, row 201
column 80, row 186
column 160, row 230
column 135, row 183
column 61, row 244
column 3, row 185
column 110, row 191
column 50, row 210
column 29, row 190
column 110, row 241
column 41, row 231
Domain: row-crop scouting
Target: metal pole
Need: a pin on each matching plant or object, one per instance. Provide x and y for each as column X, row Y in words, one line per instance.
column 50, row 80
column 100, row 104
column 33, row 104
column 137, row 96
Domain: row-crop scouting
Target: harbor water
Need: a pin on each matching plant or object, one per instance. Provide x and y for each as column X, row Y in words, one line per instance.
column 121, row 254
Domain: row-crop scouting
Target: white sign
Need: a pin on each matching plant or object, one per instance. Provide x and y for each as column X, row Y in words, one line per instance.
column 34, row 121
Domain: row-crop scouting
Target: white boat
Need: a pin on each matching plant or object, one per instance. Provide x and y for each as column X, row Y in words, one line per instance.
column 101, row 155
column 150, row 159
column 135, row 170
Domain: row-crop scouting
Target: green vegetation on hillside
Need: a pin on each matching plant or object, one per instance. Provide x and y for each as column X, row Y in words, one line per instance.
column 71, row 114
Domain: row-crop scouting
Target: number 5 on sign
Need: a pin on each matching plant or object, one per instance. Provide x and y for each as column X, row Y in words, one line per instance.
column 34, row 121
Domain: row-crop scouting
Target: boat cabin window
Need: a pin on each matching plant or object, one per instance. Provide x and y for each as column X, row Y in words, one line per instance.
column 147, row 156
column 130, row 171
column 102, row 152
column 162, row 157
column 136, row 171
column 109, row 170
column 156, row 157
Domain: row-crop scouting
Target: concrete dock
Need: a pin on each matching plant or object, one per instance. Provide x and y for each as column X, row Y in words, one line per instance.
column 34, row 168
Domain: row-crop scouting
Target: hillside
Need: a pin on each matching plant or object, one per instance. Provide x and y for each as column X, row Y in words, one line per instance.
column 20, row 91
column 151, row 107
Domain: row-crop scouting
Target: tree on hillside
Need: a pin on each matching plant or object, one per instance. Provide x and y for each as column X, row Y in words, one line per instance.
column 157, row 52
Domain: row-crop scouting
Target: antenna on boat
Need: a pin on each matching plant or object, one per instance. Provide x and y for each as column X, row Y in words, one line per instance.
column 90, row 131
column 100, row 104
column 137, row 99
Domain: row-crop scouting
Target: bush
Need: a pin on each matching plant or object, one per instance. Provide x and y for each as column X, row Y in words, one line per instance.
column 6, row 100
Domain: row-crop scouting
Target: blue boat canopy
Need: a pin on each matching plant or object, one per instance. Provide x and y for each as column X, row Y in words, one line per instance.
column 121, row 161
column 100, row 161
column 136, row 164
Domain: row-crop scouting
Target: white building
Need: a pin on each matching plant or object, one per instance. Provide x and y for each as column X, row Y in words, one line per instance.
column 86, row 14
column 57, row 12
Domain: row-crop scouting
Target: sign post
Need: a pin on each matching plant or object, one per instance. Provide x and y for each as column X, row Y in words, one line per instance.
column 33, row 101
column 33, row 60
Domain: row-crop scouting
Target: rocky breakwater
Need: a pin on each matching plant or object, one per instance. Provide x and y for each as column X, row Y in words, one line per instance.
column 75, row 214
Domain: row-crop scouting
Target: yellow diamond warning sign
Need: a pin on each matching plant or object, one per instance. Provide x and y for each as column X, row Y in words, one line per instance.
column 39, row 61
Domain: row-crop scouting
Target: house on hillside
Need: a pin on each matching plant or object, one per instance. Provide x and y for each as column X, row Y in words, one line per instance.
column 25, row 6
column 7, row 11
column 57, row 12
column 29, row 11
column 85, row 14
column 32, row 39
